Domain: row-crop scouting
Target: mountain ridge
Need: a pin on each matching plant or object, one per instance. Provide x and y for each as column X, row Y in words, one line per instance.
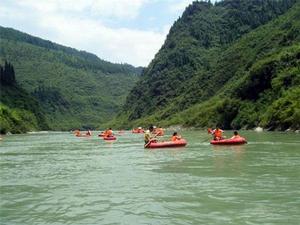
column 10, row 34
column 75, row 89
column 196, row 75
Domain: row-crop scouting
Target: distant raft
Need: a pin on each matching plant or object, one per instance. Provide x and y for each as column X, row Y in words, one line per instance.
column 235, row 141
column 110, row 138
column 167, row 144
column 138, row 131
column 102, row 134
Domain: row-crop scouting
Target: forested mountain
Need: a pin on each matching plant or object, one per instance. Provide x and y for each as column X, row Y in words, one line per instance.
column 74, row 88
column 19, row 111
column 234, row 64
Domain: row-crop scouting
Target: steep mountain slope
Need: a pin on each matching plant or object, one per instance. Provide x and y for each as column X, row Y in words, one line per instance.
column 19, row 111
column 212, row 60
column 74, row 88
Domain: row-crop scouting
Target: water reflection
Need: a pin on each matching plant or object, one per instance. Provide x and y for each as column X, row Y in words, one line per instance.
column 158, row 153
column 235, row 148
column 228, row 157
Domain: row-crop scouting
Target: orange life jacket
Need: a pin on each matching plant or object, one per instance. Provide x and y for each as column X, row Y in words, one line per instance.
column 108, row 133
column 218, row 133
column 175, row 138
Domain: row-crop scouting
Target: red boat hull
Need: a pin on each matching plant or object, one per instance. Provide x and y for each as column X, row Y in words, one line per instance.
column 112, row 138
column 236, row 141
column 137, row 131
column 167, row 144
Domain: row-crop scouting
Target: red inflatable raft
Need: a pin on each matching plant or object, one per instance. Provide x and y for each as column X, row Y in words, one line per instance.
column 136, row 131
column 111, row 138
column 167, row 144
column 235, row 141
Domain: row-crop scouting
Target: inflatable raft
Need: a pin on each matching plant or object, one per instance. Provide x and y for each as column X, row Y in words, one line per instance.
column 167, row 144
column 111, row 138
column 136, row 131
column 235, row 141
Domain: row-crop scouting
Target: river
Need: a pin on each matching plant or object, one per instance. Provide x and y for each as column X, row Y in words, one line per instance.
column 56, row 178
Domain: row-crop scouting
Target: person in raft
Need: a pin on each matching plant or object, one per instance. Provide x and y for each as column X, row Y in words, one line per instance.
column 217, row 133
column 77, row 133
column 160, row 131
column 88, row 133
column 175, row 137
column 109, row 133
column 149, row 135
column 235, row 135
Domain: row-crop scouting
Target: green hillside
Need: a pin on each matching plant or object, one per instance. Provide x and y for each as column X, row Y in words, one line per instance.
column 74, row 88
column 19, row 111
column 234, row 64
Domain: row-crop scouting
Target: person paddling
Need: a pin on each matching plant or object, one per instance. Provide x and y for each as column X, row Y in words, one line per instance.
column 149, row 135
column 109, row 133
column 159, row 131
column 217, row 134
column 175, row 137
column 77, row 133
column 235, row 135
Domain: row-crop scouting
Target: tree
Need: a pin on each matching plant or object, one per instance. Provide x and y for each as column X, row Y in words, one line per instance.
column 7, row 74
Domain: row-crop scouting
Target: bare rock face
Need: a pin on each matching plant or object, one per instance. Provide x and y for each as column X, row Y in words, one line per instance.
column 259, row 129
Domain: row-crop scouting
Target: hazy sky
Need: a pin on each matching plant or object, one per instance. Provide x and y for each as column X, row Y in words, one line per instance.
column 123, row 31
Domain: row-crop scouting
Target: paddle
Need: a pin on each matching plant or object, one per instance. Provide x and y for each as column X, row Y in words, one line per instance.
column 146, row 145
column 206, row 140
column 210, row 131
column 151, row 139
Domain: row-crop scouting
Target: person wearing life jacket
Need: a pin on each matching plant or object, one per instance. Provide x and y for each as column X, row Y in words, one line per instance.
column 77, row 133
column 217, row 133
column 235, row 135
column 175, row 137
column 149, row 135
column 109, row 133
column 160, row 132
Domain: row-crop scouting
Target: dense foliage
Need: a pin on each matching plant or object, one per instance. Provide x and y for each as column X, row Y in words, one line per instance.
column 75, row 89
column 231, row 64
column 19, row 111
column 7, row 74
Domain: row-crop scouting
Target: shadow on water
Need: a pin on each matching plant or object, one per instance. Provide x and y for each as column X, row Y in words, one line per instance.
column 229, row 158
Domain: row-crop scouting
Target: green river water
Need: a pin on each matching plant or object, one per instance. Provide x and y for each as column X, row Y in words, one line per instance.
column 56, row 178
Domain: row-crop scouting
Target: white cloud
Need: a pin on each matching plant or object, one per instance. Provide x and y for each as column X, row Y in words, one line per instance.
column 117, row 8
column 70, row 24
column 136, row 47
column 126, row 9
column 179, row 6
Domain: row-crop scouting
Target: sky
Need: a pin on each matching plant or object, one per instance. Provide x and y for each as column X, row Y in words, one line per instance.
column 119, row 31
